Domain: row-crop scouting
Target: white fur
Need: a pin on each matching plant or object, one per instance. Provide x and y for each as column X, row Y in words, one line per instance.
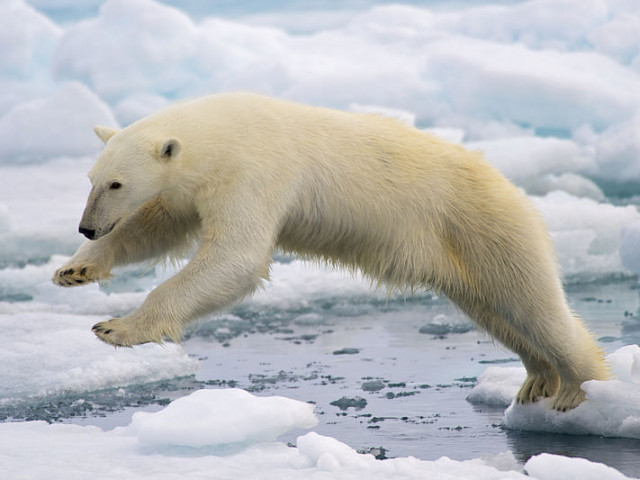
column 241, row 174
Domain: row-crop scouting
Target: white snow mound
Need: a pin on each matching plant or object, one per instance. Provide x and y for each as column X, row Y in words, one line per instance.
column 218, row 417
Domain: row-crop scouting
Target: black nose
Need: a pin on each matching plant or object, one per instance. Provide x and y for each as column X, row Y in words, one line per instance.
column 90, row 234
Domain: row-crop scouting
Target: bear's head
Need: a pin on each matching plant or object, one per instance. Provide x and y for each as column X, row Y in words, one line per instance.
column 130, row 170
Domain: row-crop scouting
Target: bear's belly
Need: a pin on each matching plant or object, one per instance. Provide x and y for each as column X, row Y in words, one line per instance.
column 398, row 256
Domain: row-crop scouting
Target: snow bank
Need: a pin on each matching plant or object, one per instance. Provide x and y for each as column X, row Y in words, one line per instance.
column 587, row 235
column 629, row 241
column 32, row 37
column 535, row 66
column 55, row 126
column 132, row 46
column 42, row 353
column 549, row 95
column 522, row 159
column 497, row 386
column 218, row 417
column 618, row 151
column 186, row 439
column 612, row 408
column 47, row 346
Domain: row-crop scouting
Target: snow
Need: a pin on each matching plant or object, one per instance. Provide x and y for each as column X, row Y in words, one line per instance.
column 542, row 65
column 32, row 37
column 587, row 234
column 45, row 349
column 547, row 89
column 545, row 466
column 208, row 435
column 58, row 120
column 537, row 156
column 221, row 417
column 630, row 239
column 156, row 39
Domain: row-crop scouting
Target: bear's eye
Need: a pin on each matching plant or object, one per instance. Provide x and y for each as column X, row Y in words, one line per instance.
column 115, row 185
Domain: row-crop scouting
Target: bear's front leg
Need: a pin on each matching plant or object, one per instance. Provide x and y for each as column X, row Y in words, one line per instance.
column 216, row 277
column 91, row 263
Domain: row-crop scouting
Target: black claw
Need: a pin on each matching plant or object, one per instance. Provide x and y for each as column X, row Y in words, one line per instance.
column 101, row 329
column 79, row 281
column 68, row 272
column 83, row 271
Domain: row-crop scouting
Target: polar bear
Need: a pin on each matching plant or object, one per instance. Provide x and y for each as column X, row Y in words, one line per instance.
column 240, row 174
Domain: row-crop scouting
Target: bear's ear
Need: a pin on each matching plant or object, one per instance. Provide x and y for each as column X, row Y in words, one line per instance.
column 104, row 133
column 169, row 149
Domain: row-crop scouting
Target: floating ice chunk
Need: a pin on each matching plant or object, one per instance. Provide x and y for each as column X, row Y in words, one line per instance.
column 625, row 363
column 37, row 449
column 329, row 454
column 326, row 454
column 554, row 467
column 442, row 325
column 55, row 126
column 497, row 386
column 222, row 416
column 612, row 408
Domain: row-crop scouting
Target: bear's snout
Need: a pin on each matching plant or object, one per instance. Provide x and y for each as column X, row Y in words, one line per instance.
column 87, row 232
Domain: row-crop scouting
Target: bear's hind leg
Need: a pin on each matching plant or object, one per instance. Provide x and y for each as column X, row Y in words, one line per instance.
column 559, row 354
column 542, row 379
column 581, row 362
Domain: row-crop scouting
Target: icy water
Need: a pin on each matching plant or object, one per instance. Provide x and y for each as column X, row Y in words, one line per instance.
column 387, row 377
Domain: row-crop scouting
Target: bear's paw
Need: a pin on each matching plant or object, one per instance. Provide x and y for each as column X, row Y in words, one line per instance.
column 76, row 275
column 568, row 398
column 127, row 332
column 117, row 332
column 537, row 386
